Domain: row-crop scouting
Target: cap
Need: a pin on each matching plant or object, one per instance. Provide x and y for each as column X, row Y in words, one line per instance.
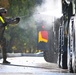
column 3, row 10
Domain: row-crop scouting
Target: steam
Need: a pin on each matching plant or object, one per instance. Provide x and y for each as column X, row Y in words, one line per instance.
column 48, row 11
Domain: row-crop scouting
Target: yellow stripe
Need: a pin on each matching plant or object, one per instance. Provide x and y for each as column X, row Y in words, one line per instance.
column 2, row 20
column 41, row 39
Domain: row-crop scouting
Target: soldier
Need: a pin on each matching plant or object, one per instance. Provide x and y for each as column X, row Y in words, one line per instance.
column 3, row 23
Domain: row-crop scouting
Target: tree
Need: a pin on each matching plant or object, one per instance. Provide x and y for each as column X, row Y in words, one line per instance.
column 24, row 32
column 4, row 3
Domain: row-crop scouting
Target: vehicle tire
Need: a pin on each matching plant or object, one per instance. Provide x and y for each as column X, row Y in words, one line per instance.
column 74, row 62
column 62, row 53
column 70, row 48
column 64, row 60
column 47, row 56
column 50, row 56
column 58, row 61
column 59, row 47
column 74, row 48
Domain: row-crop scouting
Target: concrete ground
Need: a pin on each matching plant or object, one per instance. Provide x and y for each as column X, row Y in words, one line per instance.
column 27, row 65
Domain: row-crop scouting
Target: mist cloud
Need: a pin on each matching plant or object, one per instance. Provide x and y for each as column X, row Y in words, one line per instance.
column 48, row 11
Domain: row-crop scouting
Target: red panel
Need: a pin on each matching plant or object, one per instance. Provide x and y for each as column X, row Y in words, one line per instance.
column 44, row 35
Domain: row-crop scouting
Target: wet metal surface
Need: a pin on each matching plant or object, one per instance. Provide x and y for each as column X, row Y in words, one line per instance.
column 31, row 66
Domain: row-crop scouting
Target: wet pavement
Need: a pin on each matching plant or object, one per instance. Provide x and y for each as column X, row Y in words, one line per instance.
column 31, row 66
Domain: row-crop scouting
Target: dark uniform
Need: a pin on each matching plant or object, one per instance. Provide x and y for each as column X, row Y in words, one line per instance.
column 3, row 23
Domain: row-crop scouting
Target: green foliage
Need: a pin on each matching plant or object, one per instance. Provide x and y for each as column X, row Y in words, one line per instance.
column 21, row 7
column 21, row 37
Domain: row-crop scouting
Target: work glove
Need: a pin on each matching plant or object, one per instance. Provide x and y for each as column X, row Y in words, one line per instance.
column 17, row 19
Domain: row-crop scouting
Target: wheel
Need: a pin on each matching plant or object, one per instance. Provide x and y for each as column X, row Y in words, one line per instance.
column 49, row 56
column 69, row 56
column 74, row 62
column 62, row 53
column 64, row 60
column 74, row 49
column 59, row 47
column 58, row 61
column 71, row 47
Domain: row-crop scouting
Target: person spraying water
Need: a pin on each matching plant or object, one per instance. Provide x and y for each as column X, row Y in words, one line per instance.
column 3, row 23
